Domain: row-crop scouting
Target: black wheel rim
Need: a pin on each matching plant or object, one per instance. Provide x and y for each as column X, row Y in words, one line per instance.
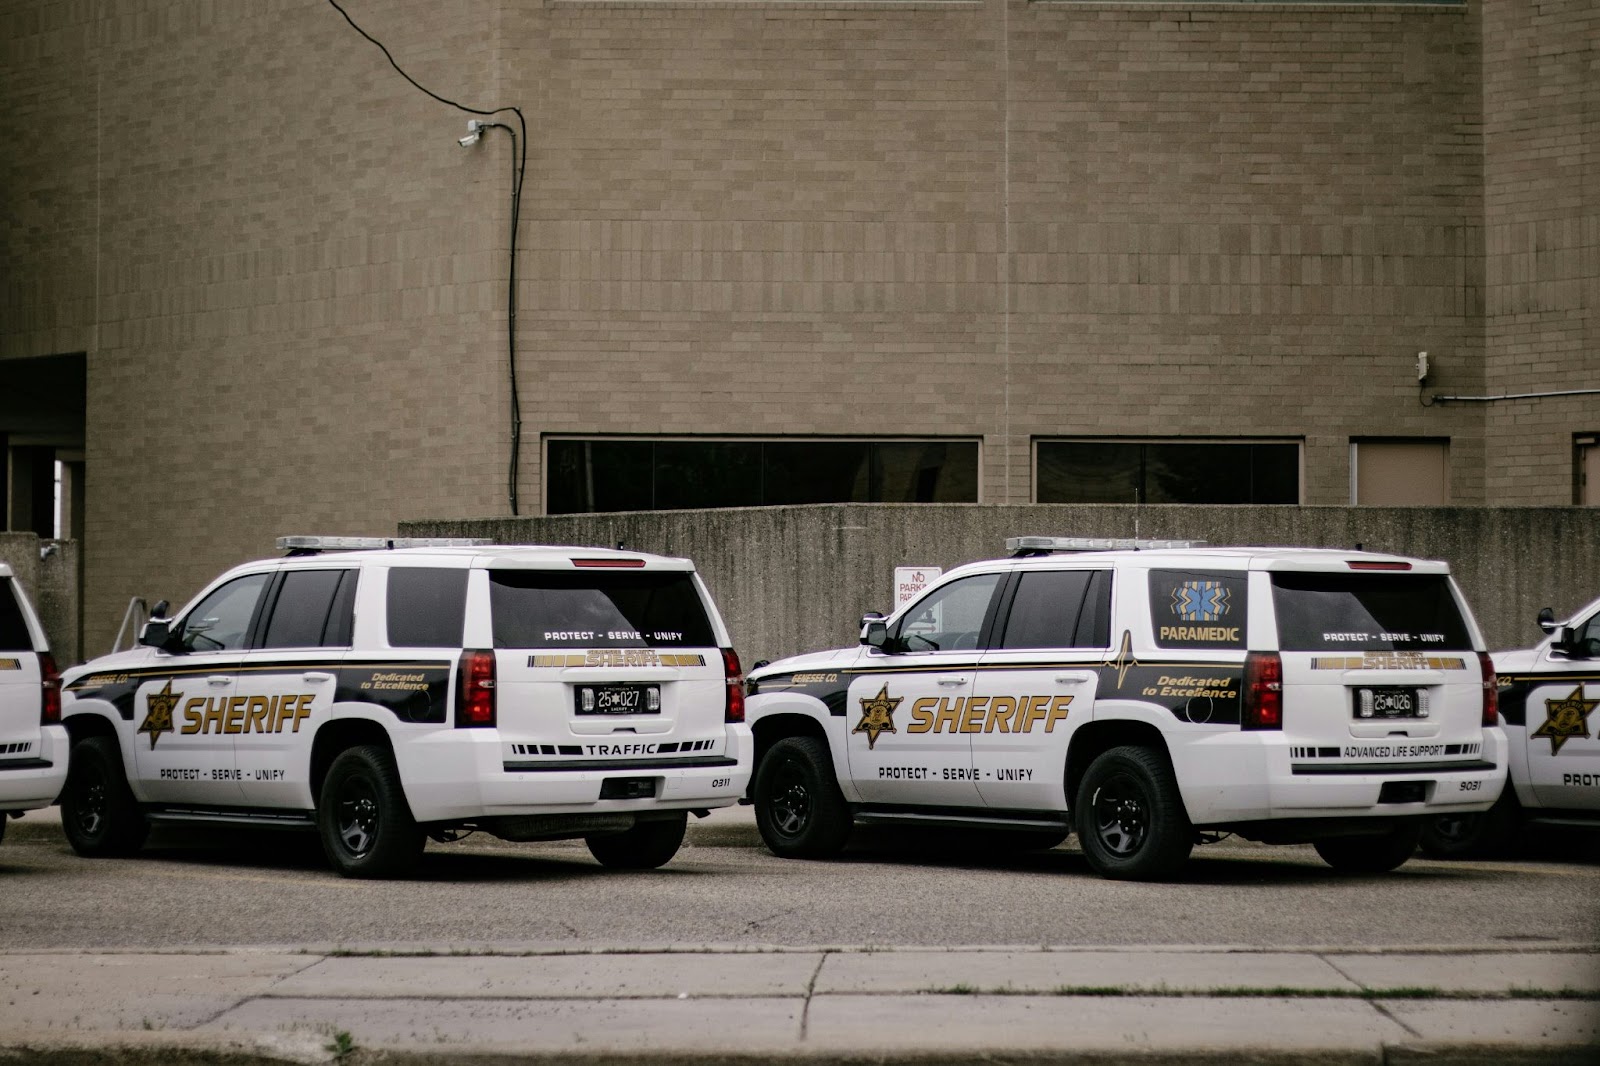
column 89, row 806
column 1121, row 815
column 790, row 805
column 358, row 819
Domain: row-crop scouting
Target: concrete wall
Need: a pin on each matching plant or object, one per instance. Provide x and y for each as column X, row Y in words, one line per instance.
column 52, row 587
column 790, row 579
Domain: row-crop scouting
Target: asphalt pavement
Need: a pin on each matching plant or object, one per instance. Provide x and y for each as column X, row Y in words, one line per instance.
column 710, row 1003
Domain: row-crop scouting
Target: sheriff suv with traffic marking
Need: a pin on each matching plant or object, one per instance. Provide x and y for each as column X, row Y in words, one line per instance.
column 390, row 693
column 1549, row 695
column 1149, row 698
column 33, row 745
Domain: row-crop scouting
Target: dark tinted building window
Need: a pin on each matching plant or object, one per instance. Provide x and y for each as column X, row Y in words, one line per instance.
column 13, row 629
column 642, row 475
column 1167, row 472
column 1060, row 609
column 1367, row 612
column 597, row 609
column 303, row 615
column 427, row 606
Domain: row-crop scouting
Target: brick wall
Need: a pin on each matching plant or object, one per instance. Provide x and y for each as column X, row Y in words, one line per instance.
column 1542, row 222
column 993, row 220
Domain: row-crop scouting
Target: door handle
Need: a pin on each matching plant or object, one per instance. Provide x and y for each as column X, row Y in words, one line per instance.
column 316, row 677
column 1075, row 677
column 951, row 680
column 219, row 680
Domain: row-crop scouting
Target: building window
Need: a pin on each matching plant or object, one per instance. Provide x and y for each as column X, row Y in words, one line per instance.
column 1397, row 472
column 664, row 475
column 1586, row 469
column 1166, row 471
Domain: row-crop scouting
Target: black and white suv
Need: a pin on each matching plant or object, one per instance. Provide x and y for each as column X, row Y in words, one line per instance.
column 388, row 694
column 1147, row 699
column 1550, row 711
column 33, row 745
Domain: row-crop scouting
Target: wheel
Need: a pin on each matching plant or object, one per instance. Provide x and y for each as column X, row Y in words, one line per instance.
column 1372, row 854
column 799, row 809
column 363, row 817
column 1486, row 834
column 1130, row 818
column 98, row 813
column 644, row 847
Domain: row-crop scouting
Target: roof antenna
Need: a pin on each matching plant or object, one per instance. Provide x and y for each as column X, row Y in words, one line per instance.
column 1358, row 546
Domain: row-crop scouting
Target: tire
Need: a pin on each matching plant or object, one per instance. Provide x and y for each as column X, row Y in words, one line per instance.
column 98, row 812
column 646, row 846
column 1487, row 834
column 800, row 811
column 1130, row 818
column 363, row 818
column 1372, row 854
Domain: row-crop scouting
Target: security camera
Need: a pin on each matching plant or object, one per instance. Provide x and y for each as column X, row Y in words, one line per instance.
column 469, row 140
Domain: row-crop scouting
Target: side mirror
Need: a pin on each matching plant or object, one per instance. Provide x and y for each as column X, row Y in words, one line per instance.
column 160, row 609
column 874, row 633
column 1547, row 620
column 155, row 633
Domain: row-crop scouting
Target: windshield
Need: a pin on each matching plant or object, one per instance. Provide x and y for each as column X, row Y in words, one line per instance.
column 552, row 609
column 1367, row 612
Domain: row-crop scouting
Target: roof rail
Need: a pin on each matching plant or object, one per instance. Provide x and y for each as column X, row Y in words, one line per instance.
column 1022, row 547
column 301, row 545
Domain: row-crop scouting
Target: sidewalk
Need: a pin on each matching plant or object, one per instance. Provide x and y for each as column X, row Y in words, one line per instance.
column 928, row 1005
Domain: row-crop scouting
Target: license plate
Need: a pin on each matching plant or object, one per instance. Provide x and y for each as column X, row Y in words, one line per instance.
column 618, row 699
column 1389, row 703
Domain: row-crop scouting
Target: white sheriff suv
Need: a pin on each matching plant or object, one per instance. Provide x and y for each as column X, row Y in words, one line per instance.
column 1549, row 695
column 33, row 745
column 1149, row 699
column 415, row 689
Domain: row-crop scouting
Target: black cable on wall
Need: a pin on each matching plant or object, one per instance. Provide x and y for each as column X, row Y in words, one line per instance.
column 519, row 166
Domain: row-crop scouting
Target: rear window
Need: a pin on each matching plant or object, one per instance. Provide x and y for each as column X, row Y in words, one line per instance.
column 14, row 635
column 553, row 609
column 1367, row 612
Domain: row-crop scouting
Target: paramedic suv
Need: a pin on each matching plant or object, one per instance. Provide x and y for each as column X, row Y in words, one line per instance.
column 1146, row 699
column 385, row 695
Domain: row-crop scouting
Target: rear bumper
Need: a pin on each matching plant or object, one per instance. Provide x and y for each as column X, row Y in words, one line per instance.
column 1241, row 777
column 462, row 774
column 26, row 784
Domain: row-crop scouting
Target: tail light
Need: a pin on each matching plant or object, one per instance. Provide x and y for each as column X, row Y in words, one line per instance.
column 1491, row 691
column 50, row 690
column 733, row 706
column 1263, row 691
column 475, row 690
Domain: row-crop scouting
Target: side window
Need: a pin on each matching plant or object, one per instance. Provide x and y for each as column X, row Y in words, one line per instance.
column 1586, row 639
column 220, row 621
column 1060, row 609
column 949, row 618
column 14, row 635
column 303, row 616
column 1199, row 609
column 427, row 606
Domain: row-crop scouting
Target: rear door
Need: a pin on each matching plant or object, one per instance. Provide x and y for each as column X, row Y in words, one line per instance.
column 1563, row 717
column 606, row 667
column 1379, row 671
column 20, row 689
column 1039, row 675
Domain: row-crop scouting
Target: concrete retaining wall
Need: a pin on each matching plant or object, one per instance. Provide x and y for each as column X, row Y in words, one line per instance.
column 791, row 579
column 52, row 586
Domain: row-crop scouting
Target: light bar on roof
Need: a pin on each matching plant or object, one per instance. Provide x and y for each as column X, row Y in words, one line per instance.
column 305, row 544
column 1044, row 545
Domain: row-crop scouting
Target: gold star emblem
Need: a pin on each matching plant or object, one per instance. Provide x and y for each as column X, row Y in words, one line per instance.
column 877, row 715
column 1565, row 719
column 1124, row 660
column 158, row 716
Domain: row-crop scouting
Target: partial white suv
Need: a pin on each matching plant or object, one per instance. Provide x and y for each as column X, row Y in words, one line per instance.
column 392, row 693
column 1148, row 699
column 33, row 744
column 1550, row 710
